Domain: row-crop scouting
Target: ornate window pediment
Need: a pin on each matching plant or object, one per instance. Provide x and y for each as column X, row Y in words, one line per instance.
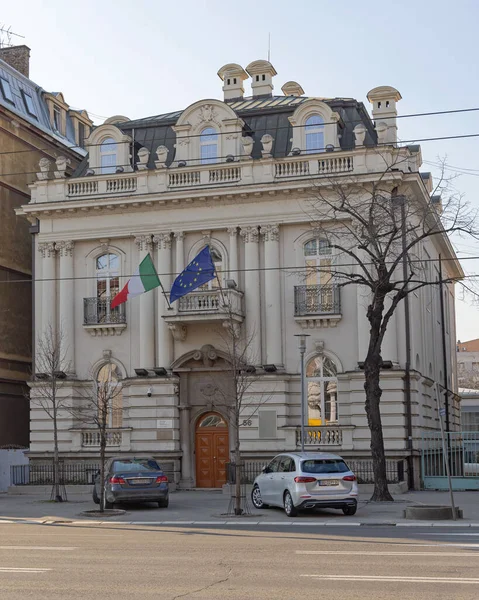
column 314, row 127
column 208, row 131
column 109, row 150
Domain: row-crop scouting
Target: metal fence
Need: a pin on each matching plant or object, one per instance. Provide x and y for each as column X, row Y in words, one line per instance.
column 316, row 300
column 363, row 469
column 97, row 311
column 70, row 473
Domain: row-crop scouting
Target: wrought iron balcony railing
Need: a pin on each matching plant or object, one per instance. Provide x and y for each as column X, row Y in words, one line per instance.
column 97, row 311
column 316, row 300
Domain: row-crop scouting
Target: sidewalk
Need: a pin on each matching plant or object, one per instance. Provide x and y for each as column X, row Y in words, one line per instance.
column 211, row 507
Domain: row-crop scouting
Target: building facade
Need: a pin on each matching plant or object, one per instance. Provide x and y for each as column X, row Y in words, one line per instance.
column 34, row 126
column 235, row 174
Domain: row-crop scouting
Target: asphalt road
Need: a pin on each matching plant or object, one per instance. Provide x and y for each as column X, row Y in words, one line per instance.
column 238, row 562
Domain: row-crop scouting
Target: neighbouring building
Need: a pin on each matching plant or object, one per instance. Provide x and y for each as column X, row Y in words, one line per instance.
column 468, row 364
column 234, row 174
column 34, row 126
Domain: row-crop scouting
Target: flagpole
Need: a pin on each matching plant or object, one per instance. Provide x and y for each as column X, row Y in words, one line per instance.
column 166, row 296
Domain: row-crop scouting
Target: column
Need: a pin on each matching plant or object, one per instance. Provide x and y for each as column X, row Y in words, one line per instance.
column 272, row 295
column 186, row 478
column 233, row 273
column 147, row 311
column 250, row 236
column 163, row 337
column 48, row 252
column 180, row 251
column 67, row 305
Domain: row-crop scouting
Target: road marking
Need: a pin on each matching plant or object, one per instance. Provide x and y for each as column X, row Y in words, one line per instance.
column 38, row 548
column 362, row 553
column 394, row 579
column 454, row 534
column 446, row 545
column 22, row 570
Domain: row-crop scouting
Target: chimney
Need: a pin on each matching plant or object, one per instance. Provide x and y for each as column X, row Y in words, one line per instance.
column 232, row 76
column 17, row 57
column 292, row 88
column 262, row 73
column 384, row 100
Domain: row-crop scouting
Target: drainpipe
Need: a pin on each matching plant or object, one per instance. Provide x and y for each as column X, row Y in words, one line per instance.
column 444, row 348
column 407, row 369
column 34, row 229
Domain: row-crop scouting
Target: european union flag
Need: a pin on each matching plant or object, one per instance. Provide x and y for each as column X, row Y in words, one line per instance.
column 200, row 270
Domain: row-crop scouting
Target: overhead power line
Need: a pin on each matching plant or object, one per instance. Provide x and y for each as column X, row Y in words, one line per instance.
column 260, row 269
column 261, row 129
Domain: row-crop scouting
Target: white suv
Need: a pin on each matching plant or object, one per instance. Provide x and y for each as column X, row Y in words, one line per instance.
column 300, row 480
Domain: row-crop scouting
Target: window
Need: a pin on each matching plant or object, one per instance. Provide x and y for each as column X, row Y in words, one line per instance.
column 218, row 262
column 314, row 128
column 330, row 465
column 135, row 465
column 208, row 146
column 212, row 420
column 29, row 104
column 321, row 374
column 109, row 389
column 81, row 134
column 318, row 258
column 7, row 90
column 274, row 464
column 108, row 149
column 107, row 285
column 57, row 119
column 286, row 465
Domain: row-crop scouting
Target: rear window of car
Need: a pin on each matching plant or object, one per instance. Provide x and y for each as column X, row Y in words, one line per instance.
column 120, row 466
column 327, row 465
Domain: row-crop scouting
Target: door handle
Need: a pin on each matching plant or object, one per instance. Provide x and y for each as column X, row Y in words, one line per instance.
column 283, row 477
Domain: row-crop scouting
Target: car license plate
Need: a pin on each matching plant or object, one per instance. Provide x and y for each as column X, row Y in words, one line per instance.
column 328, row 482
column 139, row 481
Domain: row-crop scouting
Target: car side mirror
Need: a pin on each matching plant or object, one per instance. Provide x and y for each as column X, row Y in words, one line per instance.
column 266, row 470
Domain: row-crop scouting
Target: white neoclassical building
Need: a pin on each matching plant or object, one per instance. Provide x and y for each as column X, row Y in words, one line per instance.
column 235, row 174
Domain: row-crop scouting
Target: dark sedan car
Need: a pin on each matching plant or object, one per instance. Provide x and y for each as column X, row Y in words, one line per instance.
column 132, row 479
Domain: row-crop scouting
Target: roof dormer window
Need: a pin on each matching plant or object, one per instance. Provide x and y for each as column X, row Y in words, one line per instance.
column 57, row 118
column 6, row 90
column 209, row 146
column 29, row 104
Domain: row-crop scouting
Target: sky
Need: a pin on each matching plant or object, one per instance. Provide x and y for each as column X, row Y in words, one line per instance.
column 150, row 57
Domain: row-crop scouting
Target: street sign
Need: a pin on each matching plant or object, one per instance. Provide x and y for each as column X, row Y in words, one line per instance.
column 442, row 412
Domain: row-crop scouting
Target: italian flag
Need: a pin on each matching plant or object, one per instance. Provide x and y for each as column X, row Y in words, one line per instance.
column 144, row 279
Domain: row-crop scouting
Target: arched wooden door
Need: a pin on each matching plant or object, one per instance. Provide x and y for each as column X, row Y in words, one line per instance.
column 212, row 450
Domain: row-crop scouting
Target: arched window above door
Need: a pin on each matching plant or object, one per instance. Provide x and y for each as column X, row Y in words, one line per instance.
column 212, row 420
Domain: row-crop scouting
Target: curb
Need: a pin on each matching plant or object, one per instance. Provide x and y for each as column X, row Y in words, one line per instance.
column 292, row 523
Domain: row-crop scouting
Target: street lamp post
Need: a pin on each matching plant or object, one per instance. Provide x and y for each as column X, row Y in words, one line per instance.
column 302, row 349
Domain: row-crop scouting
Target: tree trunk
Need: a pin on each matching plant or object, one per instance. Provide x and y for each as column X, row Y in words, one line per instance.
column 56, row 466
column 238, row 473
column 102, row 468
column 372, row 372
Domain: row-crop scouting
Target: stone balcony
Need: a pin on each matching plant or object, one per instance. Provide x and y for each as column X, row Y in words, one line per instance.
column 88, row 440
column 175, row 180
column 205, row 306
column 317, row 306
column 326, row 438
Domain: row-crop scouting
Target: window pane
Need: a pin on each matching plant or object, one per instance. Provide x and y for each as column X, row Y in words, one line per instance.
column 134, row 465
column 114, row 286
column 114, row 262
column 212, row 421
column 102, row 262
column 314, row 404
column 310, row 248
column 108, row 145
column 101, row 288
column 7, row 90
column 314, row 122
column 209, row 153
column 30, row 106
column 330, row 465
column 313, row 368
column 324, row 247
column 209, row 135
column 314, row 142
column 329, row 368
column 215, row 254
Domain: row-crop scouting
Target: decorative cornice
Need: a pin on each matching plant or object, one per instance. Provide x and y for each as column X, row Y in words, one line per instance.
column 163, row 240
column 270, row 233
column 144, row 243
column 65, row 247
column 250, row 234
column 47, row 249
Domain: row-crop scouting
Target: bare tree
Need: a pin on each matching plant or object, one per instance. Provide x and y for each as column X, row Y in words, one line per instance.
column 100, row 404
column 51, row 367
column 238, row 396
column 378, row 232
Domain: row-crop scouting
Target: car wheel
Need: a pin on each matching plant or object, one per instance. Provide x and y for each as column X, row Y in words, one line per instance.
column 163, row 503
column 256, row 498
column 349, row 511
column 289, row 507
column 96, row 500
